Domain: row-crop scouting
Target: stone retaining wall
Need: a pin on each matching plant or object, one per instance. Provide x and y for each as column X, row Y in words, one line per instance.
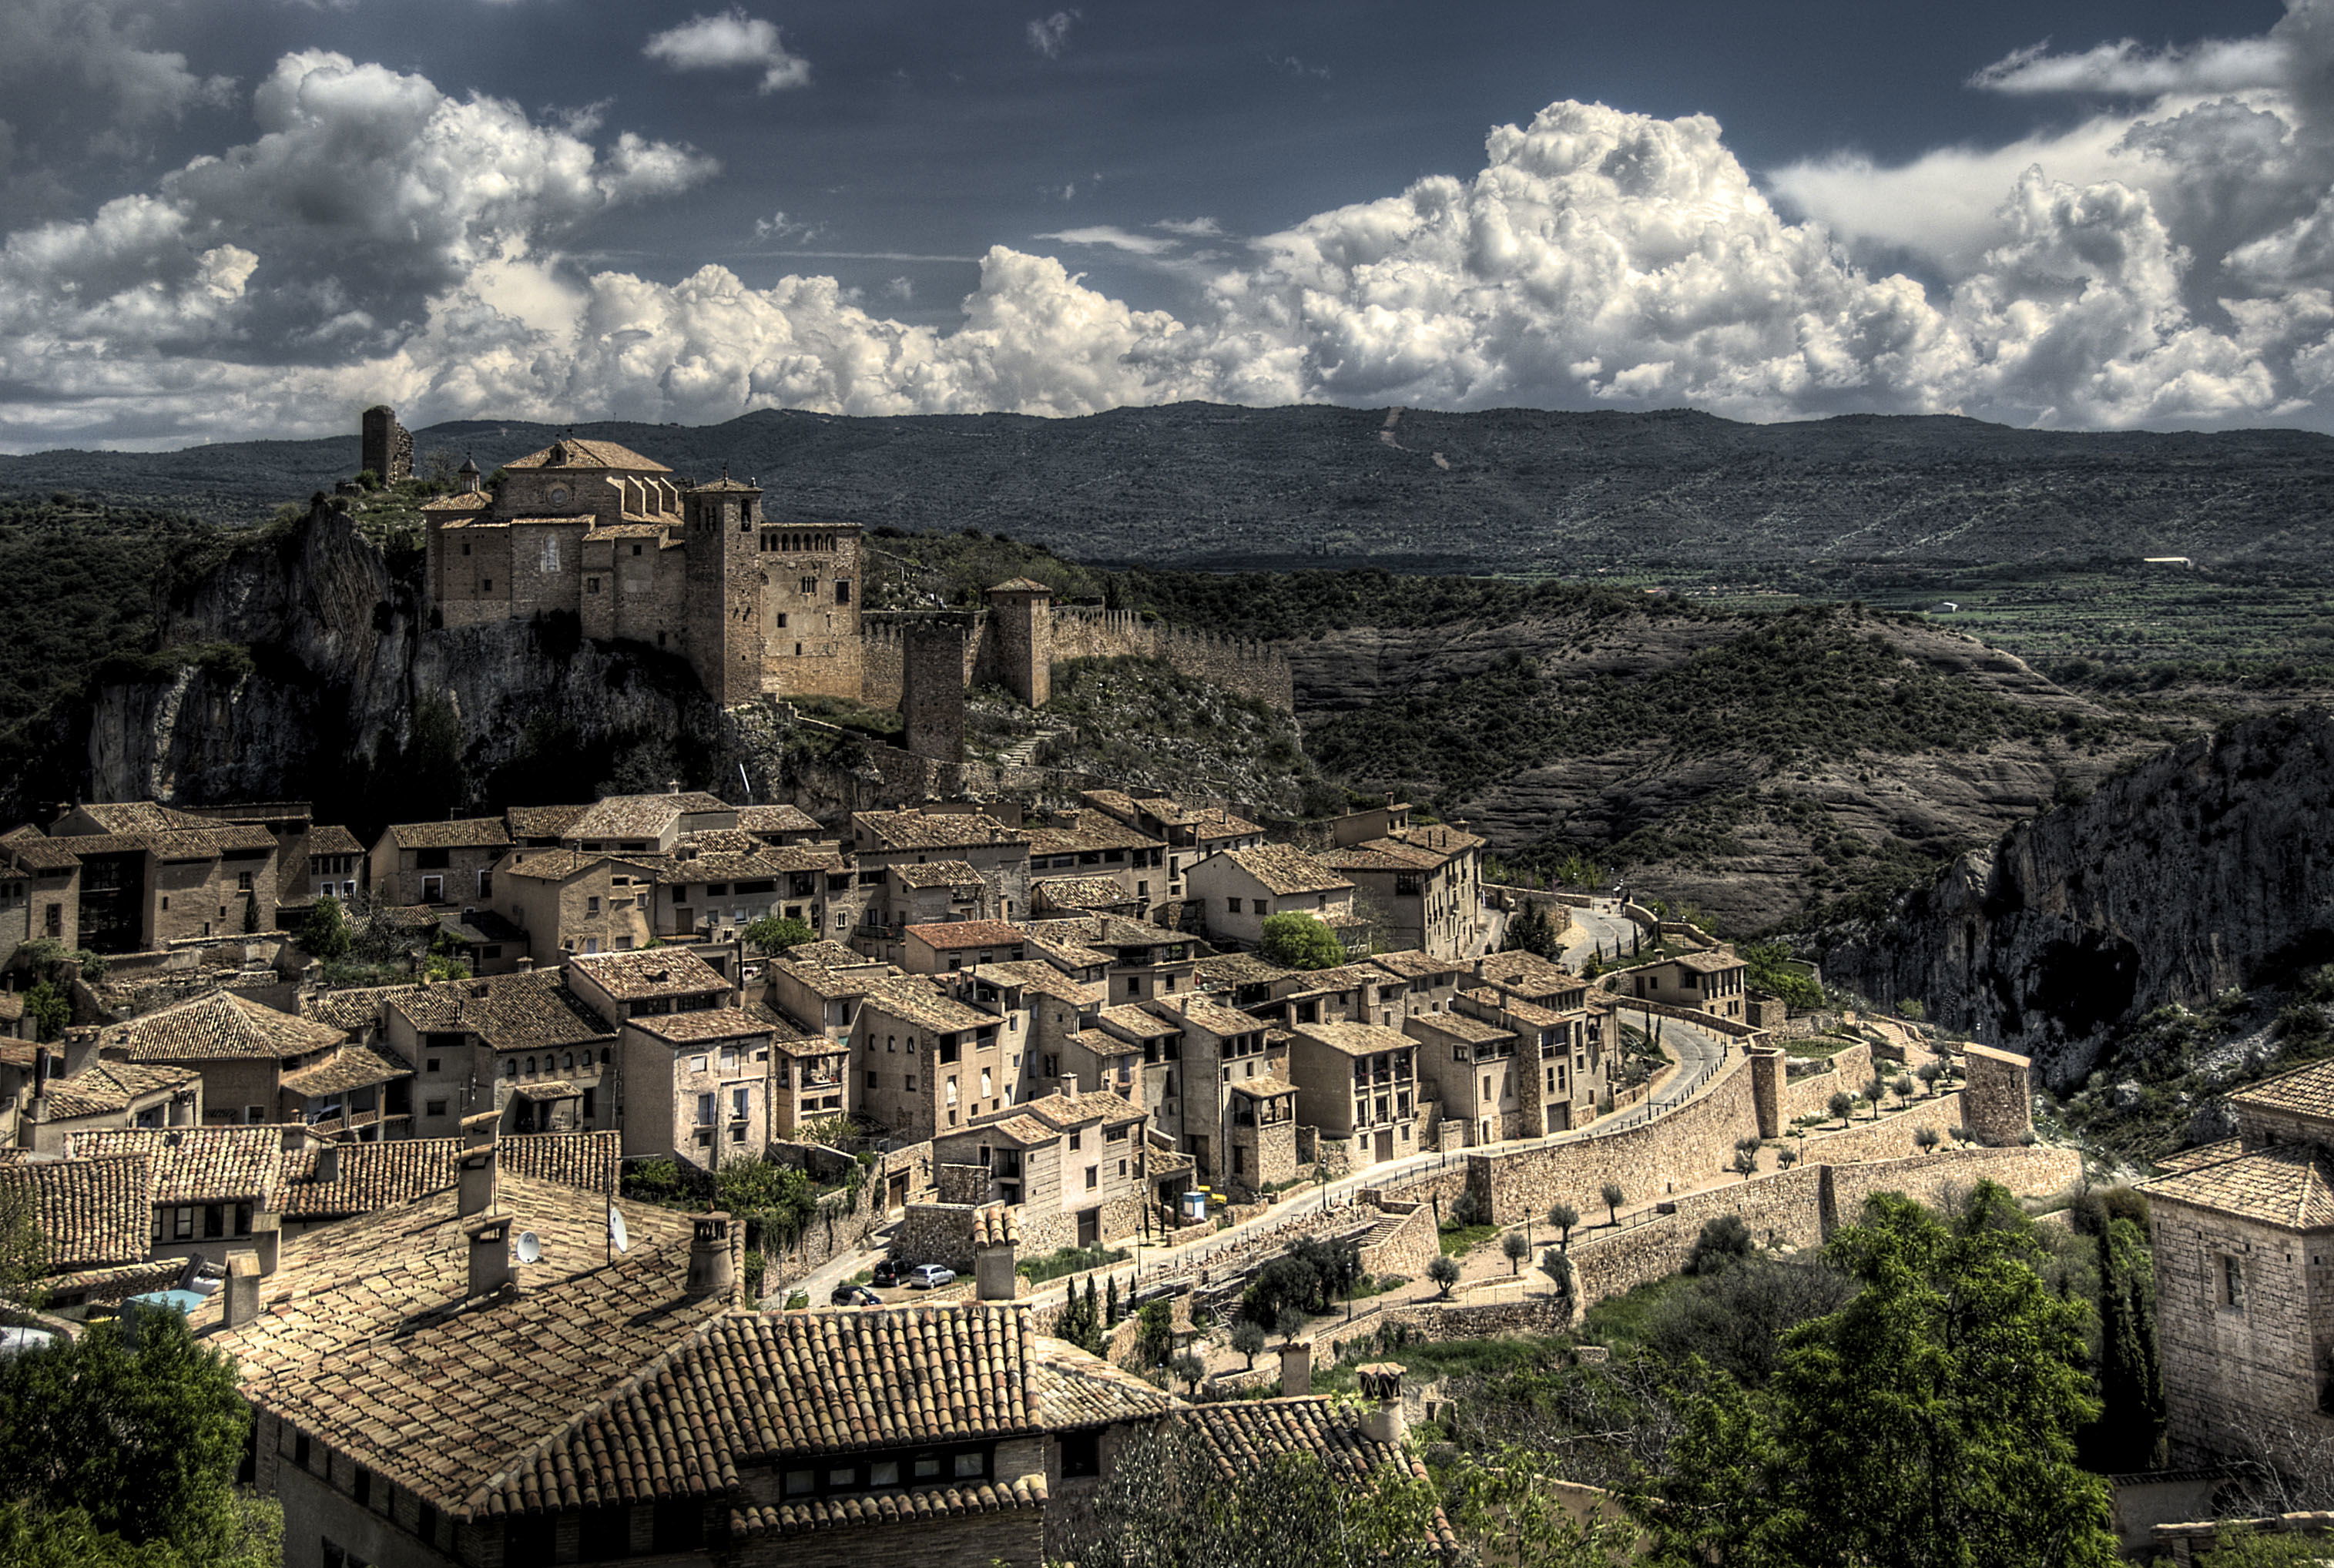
column 1850, row 1070
column 1538, row 1314
column 1409, row 1247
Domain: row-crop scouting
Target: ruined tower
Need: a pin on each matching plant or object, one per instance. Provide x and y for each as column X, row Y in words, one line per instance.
column 1022, row 622
column 388, row 446
column 932, row 684
column 722, row 588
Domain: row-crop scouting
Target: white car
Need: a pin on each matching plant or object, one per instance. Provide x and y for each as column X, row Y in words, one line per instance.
column 926, row 1276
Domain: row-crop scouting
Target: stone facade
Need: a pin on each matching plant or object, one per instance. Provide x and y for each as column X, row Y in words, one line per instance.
column 1999, row 1095
column 386, row 447
column 931, row 686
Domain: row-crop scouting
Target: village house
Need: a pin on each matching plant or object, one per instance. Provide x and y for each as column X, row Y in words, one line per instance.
column 998, row 851
column 1563, row 1059
column 328, row 1183
column 336, row 864
column 1190, row 833
column 695, row 1066
column 927, row 1063
column 2243, row 1237
column 540, row 827
column 40, row 892
column 571, row 903
column 211, row 1186
column 152, row 876
column 818, row 994
column 50, row 1092
column 947, row 948
column 933, row 893
column 448, row 862
column 1358, row 1084
column 1084, row 846
column 1421, row 883
column 1237, row 891
column 1472, row 1076
column 721, row 883
column 1139, row 961
column 1360, row 993
column 1429, row 982
column 1228, row 1102
column 647, row 824
column 1073, row 1160
column 525, row 1046
column 810, row 1081
column 1714, row 982
column 780, row 825
column 260, row 1065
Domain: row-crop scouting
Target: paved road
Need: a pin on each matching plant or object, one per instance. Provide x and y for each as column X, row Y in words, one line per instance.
column 1603, row 924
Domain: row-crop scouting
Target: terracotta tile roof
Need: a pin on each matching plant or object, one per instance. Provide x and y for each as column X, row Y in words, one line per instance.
column 1263, row 1088
column 542, row 1090
column 834, row 984
column 957, row 936
column 333, row 840
column 1092, row 834
column 221, row 1027
column 1020, row 585
column 938, row 874
column 1242, row 1437
column 201, row 1164
column 92, row 1213
column 1411, row 965
column 34, row 852
column 1512, row 1009
column 1038, row 976
column 461, row 833
column 364, row 1338
column 643, row 817
column 1227, row 970
column 915, row 999
column 206, row 842
column 914, row 829
column 507, row 1012
column 777, row 819
column 545, row 865
column 1064, row 1111
column 1458, row 1027
column 460, row 501
column 829, row 954
column 756, row 1520
column 1709, row 963
column 2287, row 1186
column 112, row 1088
column 1132, row 1022
column 1284, row 870
column 350, row 1067
column 704, row 1024
column 1011, row 1125
column 540, row 821
column 646, row 528
column 745, row 864
column 1069, row 953
column 651, row 972
column 376, row 1176
column 1212, row 822
column 1076, row 1389
column 140, row 817
column 354, row 1011
column 1079, row 893
column 2304, row 1091
column 574, row 452
column 1337, row 977
column 998, row 1224
column 1213, row 1016
column 1356, row 1039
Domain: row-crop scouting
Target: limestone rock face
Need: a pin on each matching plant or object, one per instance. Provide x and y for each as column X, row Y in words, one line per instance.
column 2200, row 869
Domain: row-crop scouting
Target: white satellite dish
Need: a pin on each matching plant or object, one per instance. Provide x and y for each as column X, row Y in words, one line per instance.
column 530, row 1247
column 617, row 1233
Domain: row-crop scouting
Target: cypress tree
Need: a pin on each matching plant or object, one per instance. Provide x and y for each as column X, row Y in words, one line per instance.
column 2131, row 1383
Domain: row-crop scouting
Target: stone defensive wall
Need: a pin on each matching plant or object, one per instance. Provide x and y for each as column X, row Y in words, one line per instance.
column 1846, row 1072
column 1256, row 669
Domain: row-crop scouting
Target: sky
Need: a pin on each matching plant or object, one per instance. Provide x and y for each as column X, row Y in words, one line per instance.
column 226, row 219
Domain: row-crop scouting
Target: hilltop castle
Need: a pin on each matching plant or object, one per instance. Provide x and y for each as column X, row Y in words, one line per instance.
column 757, row 605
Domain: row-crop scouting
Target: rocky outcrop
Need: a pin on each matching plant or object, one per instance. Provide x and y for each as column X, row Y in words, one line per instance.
column 347, row 698
column 2208, row 866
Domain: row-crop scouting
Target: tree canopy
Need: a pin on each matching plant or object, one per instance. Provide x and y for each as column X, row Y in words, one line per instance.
column 1296, row 941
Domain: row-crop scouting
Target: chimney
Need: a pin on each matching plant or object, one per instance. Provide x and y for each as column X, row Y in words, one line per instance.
column 710, row 1269
column 182, row 1109
column 1384, row 1421
column 525, row 965
column 40, row 1074
column 490, row 1259
column 81, row 1052
column 1068, row 1084
column 266, row 1238
column 475, row 1179
column 242, row 1288
column 1297, row 1367
column 328, row 1164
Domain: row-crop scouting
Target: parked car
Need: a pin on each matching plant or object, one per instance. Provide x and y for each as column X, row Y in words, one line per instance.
column 857, row 1295
column 887, row 1273
column 929, row 1276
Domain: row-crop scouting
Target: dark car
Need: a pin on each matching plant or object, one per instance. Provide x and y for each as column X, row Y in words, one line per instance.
column 887, row 1273
column 857, row 1295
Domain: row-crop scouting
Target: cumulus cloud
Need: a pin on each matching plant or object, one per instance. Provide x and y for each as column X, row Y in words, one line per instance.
column 2125, row 68
column 1049, row 35
column 2167, row 263
column 730, row 41
column 80, row 79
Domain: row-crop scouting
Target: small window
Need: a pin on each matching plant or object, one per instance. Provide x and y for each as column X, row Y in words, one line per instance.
column 971, row 1465
column 1094, row 1177
column 883, row 1473
column 485, row 585
column 928, row 1468
column 591, row 586
column 432, row 1064
column 2232, row 1283
column 433, row 1108
column 803, row 1483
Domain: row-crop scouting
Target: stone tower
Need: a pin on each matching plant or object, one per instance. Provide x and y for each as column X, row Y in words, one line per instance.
column 722, row 588
column 932, row 684
column 1021, row 619
column 388, row 446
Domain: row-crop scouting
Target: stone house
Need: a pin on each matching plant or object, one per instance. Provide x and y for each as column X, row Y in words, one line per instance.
column 152, row 876
column 514, row 1044
column 631, row 1408
column 211, row 1185
column 937, row 893
column 823, row 997
column 1563, row 1060
column 2242, row 1236
column 697, row 1085
column 1358, row 1084
column 647, row 824
column 1421, row 883
column 1000, row 853
column 1073, row 1162
column 336, row 864
column 1472, row 1074
column 1190, row 833
column 810, row 1081
column 710, row 893
column 780, row 825
column 952, row 946
column 96, row 1220
column 1528, row 977
column 540, row 827
column 1087, row 844
column 1361, row 993
column 1428, row 983
column 1237, row 891
column 571, row 903
column 927, row 1062
column 1137, row 961
column 448, row 862
column 260, row 1065
column 1228, row 1103
column 40, row 892
column 48, row 1093
column 1714, row 982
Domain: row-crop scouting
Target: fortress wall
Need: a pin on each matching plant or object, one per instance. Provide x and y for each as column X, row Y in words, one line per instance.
column 1850, row 1070
column 1253, row 669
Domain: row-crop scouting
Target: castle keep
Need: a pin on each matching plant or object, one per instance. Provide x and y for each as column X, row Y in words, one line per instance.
column 755, row 604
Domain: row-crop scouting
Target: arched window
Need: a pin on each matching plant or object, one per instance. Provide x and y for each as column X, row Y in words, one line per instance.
column 530, row 1067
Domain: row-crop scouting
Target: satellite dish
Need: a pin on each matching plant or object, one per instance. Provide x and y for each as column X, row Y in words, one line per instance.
column 617, row 1233
column 530, row 1247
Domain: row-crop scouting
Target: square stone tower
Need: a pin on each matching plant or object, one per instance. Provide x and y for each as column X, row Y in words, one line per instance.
column 386, row 446
column 932, row 684
column 1021, row 620
column 722, row 588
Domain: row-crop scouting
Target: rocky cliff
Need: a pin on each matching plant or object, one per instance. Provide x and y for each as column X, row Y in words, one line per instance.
column 2208, row 866
column 349, row 700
